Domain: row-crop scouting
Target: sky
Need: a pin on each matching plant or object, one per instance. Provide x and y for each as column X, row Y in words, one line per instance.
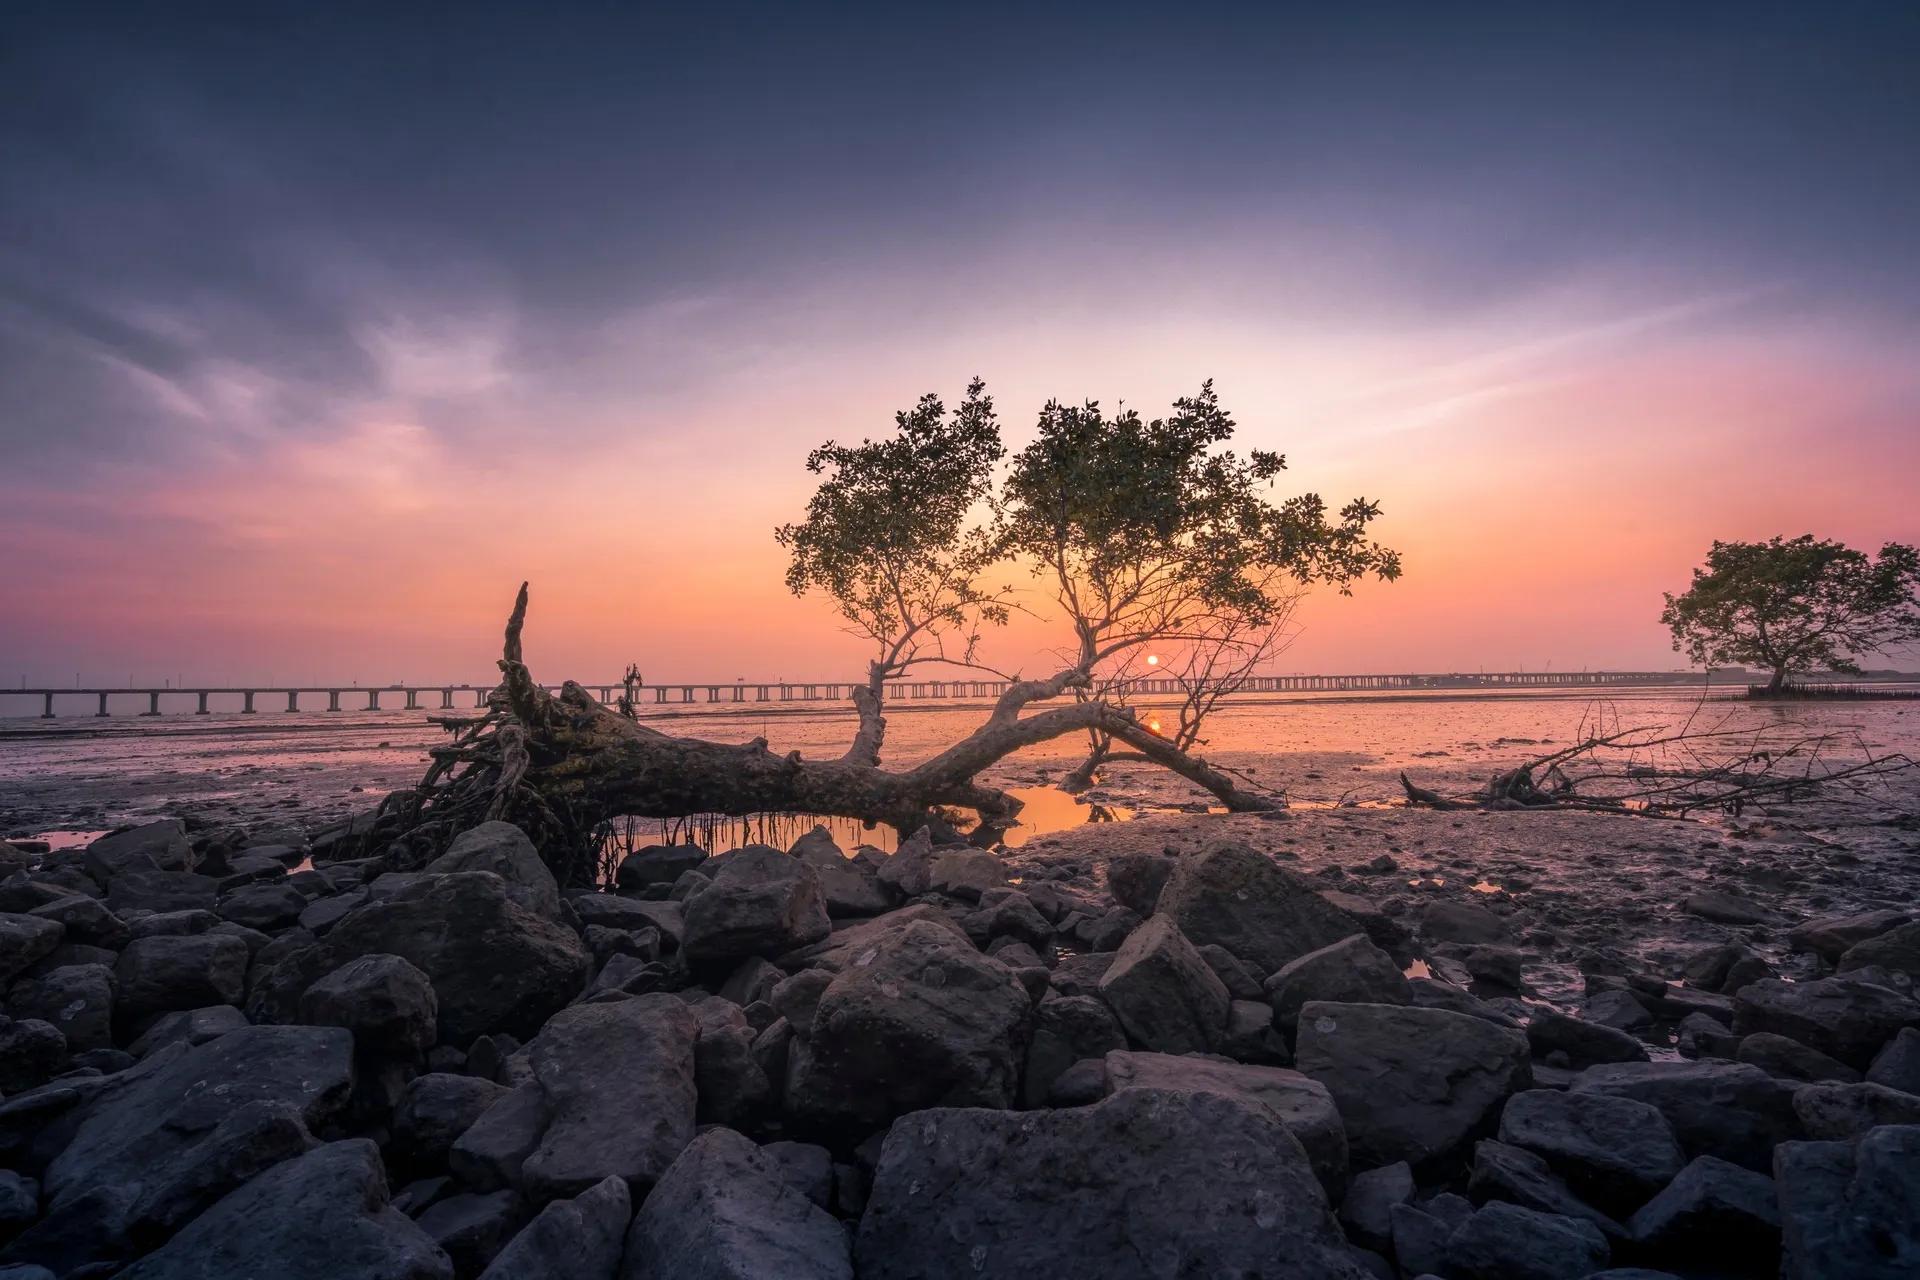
column 323, row 327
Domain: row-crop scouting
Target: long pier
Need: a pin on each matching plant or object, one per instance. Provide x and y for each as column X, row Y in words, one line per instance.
column 453, row 696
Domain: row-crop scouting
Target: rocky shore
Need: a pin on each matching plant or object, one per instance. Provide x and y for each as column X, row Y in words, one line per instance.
column 235, row 1052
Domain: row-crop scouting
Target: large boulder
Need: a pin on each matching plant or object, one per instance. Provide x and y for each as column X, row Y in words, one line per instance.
column 86, row 920
column 612, row 1094
column 267, row 907
column 1506, row 1242
column 433, row 1112
column 189, row 971
column 917, row 1019
column 577, row 1239
column 25, row 939
column 1301, row 1104
column 1830, row 937
column 761, row 902
column 495, row 965
column 726, row 1211
column 1851, row 1211
column 1897, row 950
column 162, row 891
column 1412, row 1084
column 1518, row 1176
column 387, row 1003
column 1842, row 1112
column 853, row 943
column 1842, row 1017
column 322, row 1216
column 1136, row 879
column 1712, row 1213
column 505, row 850
column 851, row 888
column 1350, row 971
column 154, row 846
column 1242, row 900
column 1066, row 1030
column 1584, row 1043
column 1614, row 1152
column 1164, row 993
column 1725, row 1109
column 1145, row 1183
column 76, row 998
column 32, row 1052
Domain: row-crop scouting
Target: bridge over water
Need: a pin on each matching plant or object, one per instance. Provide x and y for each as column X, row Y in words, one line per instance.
column 447, row 697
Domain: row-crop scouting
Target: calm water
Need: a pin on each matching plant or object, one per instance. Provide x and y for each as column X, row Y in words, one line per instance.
column 84, row 775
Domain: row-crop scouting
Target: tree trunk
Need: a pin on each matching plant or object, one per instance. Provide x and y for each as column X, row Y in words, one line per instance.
column 1779, row 681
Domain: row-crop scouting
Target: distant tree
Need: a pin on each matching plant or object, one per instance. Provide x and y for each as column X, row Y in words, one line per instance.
column 1796, row 605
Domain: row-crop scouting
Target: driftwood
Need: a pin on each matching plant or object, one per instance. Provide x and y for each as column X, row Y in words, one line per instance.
column 565, row 767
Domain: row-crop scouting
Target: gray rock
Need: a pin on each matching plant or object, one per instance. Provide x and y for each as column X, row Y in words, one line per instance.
column 244, row 1144
column 433, row 1112
column 852, row 889
column 1791, row 1060
column 1830, row 937
column 1506, row 1242
column 158, row 845
column 1897, row 1066
column 77, row 999
column 1618, row 1009
column 1367, row 1210
column 1727, row 908
column 190, row 1027
column 162, row 891
column 263, row 906
column 1518, row 1176
column 1842, row 1017
column 1431, row 993
column 505, row 850
column 850, row 942
column 1302, row 1105
column 808, row 1168
column 25, row 939
column 1252, row 1037
column 1066, row 1029
column 1585, row 1043
column 19, row 1202
column 1420, row 1238
column 1725, row 1109
column 32, row 1052
column 164, row 974
column 797, row 997
column 1463, row 922
column 1713, row 1213
column 1851, row 1211
column 761, row 902
column 965, row 873
column 725, row 1212
column 657, row 864
column 1166, row 997
column 1240, row 899
column 1350, row 971
column 1896, row 950
column 1136, row 879
column 1241, row 983
column 908, row 872
column 387, row 1003
column 1411, row 1084
column 733, row 1087
column 471, row 1227
column 916, row 1019
column 1843, row 1112
column 1111, row 1190
column 86, row 920
column 494, row 965
column 577, row 1239
column 1614, row 1152
column 1701, row 1036
column 322, row 1216
column 1008, row 913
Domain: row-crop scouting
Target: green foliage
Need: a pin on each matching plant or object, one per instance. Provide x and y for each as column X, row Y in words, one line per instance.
column 901, row 529
column 1148, row 530
column 1796, row 605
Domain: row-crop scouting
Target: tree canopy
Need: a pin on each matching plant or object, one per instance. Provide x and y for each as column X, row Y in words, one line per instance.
column 1796, row 604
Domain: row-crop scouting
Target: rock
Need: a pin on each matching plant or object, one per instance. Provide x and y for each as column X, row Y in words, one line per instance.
column 471, row 1227
column 1303, row 1105
column 1008, row 913
column 725, row 1212
column 163, row 974
column 1080, row 975
column 162, row 891
column 1727, row 908
column 1585, row 1043
column 387, row 1003
column 918, row 1018
column 77, row 999
column 19, row 1202
column 908, row 872
column 1066, row 1029
column 733, row 1087
column 322, row 1216
column 1618, row 1009
column 245, row 1143
column 1714, row 1213
column 266, row 907
column 1114, row 1189
column 797, row 997
column 158, row 845
column 1421, row 1232
column 1897, row 950
column 25, row 939
column 172, row 924
column 851, row 889
column 433, row 1112
column 1431, row 993
column 86, row 920
column 1830, row 937
column 1897, row 1066
column 505, row 850
column 1516, row 1175
column 1701, row 1036
column 965, row 873
column 1495, row 966
column 1136, row 879
column 657, row 864
column 1166, row 997
column 806, row 1167
column 1506, row 1242
column 1463, row 922
column 1728, row 1109
column 577, row 1239
column 760, row 903
column 1411, row 1084
column 613, row 1093
column 1240, row 899
column 494, row 965
column 1842, row 1017
column 1790, row 1060
column 1350, row 971
column 1615, row 1153
column 1252, row 1037
column 1850, row 1211
column 1843, row 1112
column 1367, row 1210
column 190, row 1027
column 1241, row 983
column 852, row 941
column 31, row 1053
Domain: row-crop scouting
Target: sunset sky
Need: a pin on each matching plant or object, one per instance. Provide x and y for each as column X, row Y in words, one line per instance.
column 319, row 333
